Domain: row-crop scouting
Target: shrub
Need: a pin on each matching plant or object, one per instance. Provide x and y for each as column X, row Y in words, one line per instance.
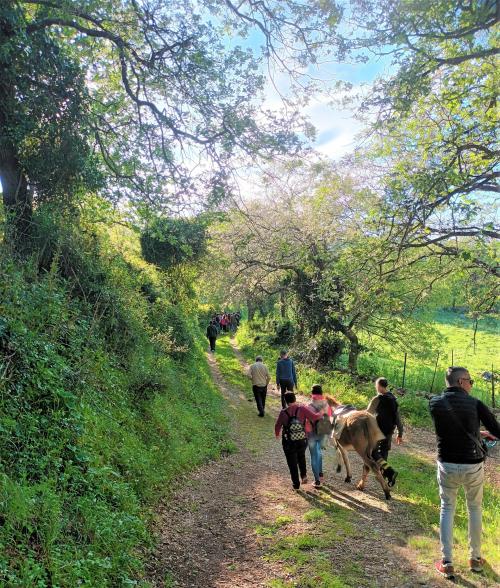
column 82, row 452
column 168, row 242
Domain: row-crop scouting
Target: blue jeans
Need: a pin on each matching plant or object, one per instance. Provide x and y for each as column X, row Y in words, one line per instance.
column 450, row 477
column 314, row 443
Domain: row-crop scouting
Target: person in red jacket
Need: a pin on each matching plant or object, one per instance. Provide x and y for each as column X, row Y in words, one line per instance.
column 292, row 421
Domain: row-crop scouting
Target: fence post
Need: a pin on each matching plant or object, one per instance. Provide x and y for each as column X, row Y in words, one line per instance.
column 404, row 373
column 435, row 370
column 492, row 387
column 452, row 360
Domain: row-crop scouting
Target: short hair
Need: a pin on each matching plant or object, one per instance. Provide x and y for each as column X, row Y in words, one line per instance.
column 290, row 397
column 453, row 374
column 258, row 358
column 283, row 352
column 382, row 381
column 317, row 389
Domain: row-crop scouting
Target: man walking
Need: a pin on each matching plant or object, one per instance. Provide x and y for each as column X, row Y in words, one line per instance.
column 259, row 374
column 212, row 335
column 384, row 407
column 457, row 416
column 286, row 378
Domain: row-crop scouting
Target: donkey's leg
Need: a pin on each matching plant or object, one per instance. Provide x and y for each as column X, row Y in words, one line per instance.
column 361, row 484
column 345, row 457
column 378, row 474
column 337, row 459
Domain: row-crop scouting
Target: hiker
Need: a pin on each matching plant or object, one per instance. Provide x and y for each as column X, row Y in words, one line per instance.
column 318, row 432
column 286, row 378
column 292, row 420
column 260, row 377
column 384, row 407
column 460, row 462
column 212, row 335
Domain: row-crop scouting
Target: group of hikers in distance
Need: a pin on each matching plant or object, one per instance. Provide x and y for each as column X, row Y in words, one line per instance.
column 226, row 322
column 324, row 422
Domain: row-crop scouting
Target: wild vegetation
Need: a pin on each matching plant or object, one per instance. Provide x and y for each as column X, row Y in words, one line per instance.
column 124, row 128
column 105, row 399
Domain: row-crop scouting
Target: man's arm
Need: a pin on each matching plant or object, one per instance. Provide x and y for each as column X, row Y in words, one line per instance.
column 277, row 372
column 279, row 424
column 268, row 377
column 488, row 419
column 294, row 374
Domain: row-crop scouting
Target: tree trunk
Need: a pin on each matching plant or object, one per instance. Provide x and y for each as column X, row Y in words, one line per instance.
column 16, row 197
column 354, row 347
column 282, row 305
column 353, row 350
column 251, row 309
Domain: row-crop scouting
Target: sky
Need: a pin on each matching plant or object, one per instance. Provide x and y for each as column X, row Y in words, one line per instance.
column 336, row 125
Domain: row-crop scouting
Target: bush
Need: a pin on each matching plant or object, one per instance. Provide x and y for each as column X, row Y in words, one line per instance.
column 168, row 242
column 284, row 333
column 88, row 403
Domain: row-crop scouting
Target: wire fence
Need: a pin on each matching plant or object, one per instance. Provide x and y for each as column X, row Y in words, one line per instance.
column 409, row 374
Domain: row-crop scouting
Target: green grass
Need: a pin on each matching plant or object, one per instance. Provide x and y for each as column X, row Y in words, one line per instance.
column 456, row 331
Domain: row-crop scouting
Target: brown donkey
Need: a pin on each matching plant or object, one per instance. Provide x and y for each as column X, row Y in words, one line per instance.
column 357, row 430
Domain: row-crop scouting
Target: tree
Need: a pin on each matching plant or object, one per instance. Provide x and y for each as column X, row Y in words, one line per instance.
column 153, row 89
column 44, row 123
column 313, row 238
column 170, row 242
column 434, row 137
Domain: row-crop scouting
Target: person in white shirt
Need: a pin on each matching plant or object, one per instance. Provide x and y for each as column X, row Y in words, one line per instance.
column 260, row 377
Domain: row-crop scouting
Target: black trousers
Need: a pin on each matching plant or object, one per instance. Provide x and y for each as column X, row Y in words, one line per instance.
column 285, row 385
column 382, row 449
column 260, row 393
column 212, row 343
column 295, row 453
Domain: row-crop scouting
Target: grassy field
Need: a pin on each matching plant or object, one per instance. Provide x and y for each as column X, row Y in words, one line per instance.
column 456, row 348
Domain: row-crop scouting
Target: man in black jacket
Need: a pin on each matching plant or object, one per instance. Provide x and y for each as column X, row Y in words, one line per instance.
column 457, row 417
column 212, row 335
column 385, row 408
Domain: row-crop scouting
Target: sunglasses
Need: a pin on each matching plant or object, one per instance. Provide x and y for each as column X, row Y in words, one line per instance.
column 468, row 380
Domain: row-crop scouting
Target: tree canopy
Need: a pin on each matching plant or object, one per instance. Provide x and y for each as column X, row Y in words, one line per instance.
column 163, row 97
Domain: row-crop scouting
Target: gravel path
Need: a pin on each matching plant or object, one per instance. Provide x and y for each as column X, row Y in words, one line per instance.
column 207, row 529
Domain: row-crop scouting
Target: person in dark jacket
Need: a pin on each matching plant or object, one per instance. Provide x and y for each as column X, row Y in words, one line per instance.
column 286, row 377
column 457, row 416
column 212, row 335
column 384, row 407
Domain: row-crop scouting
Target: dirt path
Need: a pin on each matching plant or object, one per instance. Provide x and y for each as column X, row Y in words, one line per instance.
column 228, row 524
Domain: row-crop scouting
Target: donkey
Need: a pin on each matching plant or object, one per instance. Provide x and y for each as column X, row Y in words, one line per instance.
column 357, row 430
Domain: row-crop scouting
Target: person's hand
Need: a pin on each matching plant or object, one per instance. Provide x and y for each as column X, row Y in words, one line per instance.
column 399, row 440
